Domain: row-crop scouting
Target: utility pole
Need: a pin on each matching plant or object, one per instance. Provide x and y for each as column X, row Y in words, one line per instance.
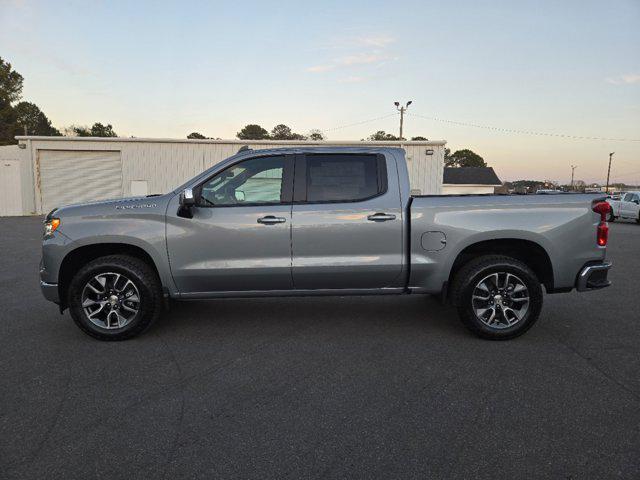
column 609, row 172
column 573, row 169
column 402, row 109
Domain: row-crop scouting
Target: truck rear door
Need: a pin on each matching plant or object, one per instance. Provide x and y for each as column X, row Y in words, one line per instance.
column 347, row 222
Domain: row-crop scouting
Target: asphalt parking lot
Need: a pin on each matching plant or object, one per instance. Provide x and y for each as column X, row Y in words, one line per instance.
column 359, row 387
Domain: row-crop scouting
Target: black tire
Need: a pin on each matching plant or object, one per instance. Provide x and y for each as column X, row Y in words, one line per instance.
column 143, row 277
column 469, row 278
column 612, row 217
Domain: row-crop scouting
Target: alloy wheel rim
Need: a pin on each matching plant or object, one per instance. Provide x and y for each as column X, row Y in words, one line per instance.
column 110, row 300
column 500, row 300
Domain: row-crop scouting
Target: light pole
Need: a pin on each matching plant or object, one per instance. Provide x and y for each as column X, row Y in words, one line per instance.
column 609, row 172
column 402, row 110
column 573, row 169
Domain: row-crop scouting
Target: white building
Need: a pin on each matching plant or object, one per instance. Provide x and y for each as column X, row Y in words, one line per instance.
column 469, row 180
column 47, row 172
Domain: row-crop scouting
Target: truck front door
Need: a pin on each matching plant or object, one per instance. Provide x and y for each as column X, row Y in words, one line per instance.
column 239, row 236
column 347, row 222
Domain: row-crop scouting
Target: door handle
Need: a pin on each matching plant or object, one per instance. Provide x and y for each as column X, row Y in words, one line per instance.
column 381, row 217
column 271, row 220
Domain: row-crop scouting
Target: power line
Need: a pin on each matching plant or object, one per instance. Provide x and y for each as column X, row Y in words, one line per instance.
column 524, row 132
column 627, row 174
column 359, row 123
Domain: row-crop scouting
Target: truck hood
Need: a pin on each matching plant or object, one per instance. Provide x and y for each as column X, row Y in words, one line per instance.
column 120, row 206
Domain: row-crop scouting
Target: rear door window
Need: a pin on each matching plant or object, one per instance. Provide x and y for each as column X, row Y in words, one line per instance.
column 344, row 177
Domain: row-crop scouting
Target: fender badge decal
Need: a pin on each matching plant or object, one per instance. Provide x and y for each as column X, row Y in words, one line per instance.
column 137, row 205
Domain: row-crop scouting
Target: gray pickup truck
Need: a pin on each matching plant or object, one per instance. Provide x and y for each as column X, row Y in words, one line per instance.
column 320, row 221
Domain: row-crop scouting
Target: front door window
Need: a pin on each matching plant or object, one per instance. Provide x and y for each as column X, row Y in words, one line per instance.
column 257, row 181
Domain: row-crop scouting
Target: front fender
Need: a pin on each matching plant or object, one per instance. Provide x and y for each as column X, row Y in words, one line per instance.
column 146, row 231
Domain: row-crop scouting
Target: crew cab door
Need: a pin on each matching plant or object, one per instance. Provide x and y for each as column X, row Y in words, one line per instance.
column 347, row 222
column 629, row 205
column 239, row 236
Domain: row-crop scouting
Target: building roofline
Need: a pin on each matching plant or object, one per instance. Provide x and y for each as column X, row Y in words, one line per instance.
column 431, row 143
column 471, row 184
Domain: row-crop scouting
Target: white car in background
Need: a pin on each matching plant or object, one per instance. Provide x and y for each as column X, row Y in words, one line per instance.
column 627, row 207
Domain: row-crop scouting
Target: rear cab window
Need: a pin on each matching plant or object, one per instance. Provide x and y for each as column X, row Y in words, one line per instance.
column 329, row 178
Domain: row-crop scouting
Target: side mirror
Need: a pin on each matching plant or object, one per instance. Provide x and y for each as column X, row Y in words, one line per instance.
column 187, row 199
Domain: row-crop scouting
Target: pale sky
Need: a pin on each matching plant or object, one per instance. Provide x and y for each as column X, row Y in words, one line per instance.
column 165, row 69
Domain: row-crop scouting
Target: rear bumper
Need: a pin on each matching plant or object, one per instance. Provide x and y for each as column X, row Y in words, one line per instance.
column 593, row 277
column 50, row 291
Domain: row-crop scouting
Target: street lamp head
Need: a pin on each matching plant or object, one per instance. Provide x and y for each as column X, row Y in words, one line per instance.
column 409, row 102
column 611, row 153
column 397, row 104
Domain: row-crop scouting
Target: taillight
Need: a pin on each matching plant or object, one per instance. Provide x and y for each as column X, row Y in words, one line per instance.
column 603, row 234
column 603, row 209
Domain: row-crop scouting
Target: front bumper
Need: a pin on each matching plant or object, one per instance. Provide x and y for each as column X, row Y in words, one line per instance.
column 50, row 291
column 593, row 277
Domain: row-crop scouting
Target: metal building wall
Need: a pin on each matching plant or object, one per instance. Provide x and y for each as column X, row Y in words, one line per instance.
column 166, row 163
column 10, row 180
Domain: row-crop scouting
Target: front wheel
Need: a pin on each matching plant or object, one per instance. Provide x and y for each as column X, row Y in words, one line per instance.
column 497, row 297
column 115, row 297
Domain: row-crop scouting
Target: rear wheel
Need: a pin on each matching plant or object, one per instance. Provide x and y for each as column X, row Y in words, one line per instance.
column 497, row 297
column 115, row 297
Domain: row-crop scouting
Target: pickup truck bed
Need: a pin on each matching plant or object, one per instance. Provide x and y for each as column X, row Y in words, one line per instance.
column 535, row 224
column 320, row 221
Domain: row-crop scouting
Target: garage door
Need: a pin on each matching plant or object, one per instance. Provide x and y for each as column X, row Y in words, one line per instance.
column 68, row 177
column 10, row 192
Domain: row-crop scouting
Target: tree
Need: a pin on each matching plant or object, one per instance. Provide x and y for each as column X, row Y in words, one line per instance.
column 381, row 135
column 8, row 127
column 464, row 158
column 196, row 136
column 32, row 121
column 419, row 138
column 97, row 130
column 10, row 83
column 316, row 135
column 10, row 91
column 24, row 117
column 282, row 132
column 253, row 132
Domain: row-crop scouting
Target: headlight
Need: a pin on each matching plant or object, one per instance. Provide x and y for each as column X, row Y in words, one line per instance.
column 51, row 226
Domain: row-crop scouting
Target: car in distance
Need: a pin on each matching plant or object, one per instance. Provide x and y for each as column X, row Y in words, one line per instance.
column 626, row 206
column 548, row 191
column 320, row 221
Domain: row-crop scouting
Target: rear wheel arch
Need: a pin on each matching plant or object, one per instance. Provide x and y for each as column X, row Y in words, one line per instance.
column 77, row 258
column 528, row 252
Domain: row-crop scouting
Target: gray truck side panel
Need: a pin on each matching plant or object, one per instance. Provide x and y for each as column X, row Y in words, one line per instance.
column 106, row 222
column 563, row 225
